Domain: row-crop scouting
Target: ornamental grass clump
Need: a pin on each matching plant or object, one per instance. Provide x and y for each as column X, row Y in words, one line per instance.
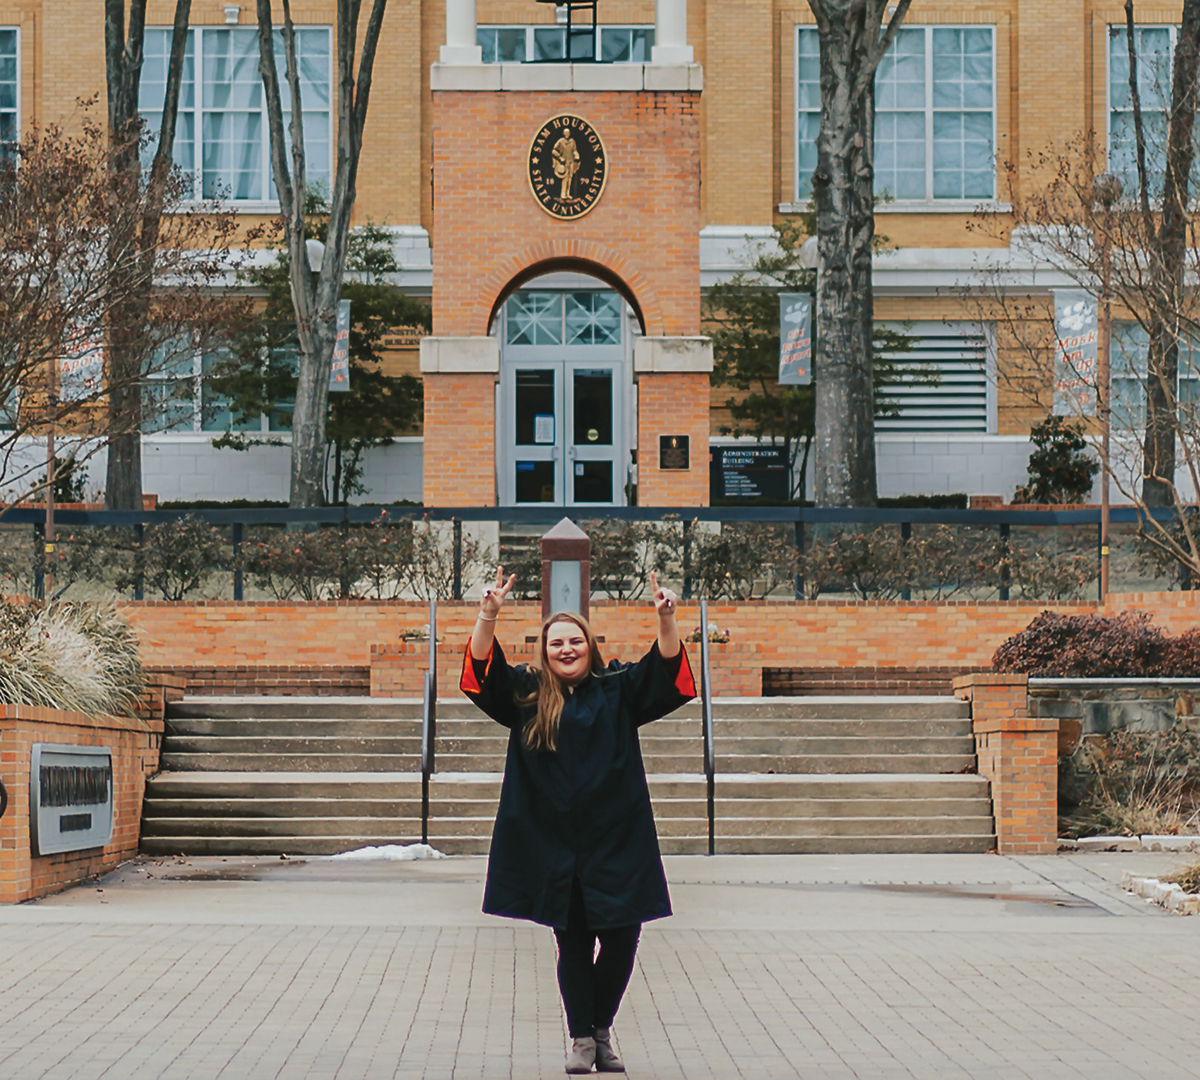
column 1129, row 783
column 81, row 657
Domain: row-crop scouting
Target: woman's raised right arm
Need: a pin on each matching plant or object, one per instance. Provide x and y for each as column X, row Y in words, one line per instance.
column 489, row 611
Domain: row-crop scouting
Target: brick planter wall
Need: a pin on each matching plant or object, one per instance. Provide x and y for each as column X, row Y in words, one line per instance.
column 135, row 743
column 1018, row 753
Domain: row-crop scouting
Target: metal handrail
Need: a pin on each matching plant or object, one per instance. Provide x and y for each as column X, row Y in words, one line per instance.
column 706, row 718
column 429, row 723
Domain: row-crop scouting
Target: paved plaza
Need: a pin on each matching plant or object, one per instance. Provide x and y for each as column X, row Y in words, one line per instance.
column 774, row 966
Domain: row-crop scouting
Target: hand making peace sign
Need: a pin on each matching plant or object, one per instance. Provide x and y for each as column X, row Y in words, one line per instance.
column 495, row 595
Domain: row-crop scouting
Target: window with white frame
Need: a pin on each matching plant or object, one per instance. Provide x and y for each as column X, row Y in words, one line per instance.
column 9, row 91
column 179, row 396
column 935, row 113
column 1155, row 48
column 944, row 385
column 526, row 44
column 221, row 133
column 1129, row 359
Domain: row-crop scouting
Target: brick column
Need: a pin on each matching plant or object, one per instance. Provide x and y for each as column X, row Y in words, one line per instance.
column 460, row 420
column 673, row 399
column 1018, row 754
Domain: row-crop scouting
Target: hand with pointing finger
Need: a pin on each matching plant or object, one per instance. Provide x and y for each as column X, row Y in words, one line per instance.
column 495, row 595
column 664, row 598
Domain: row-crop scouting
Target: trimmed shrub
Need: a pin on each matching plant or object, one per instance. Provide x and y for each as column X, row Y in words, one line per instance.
column 1096, row 647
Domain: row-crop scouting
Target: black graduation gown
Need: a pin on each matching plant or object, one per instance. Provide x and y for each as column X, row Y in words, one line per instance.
column 582, row 810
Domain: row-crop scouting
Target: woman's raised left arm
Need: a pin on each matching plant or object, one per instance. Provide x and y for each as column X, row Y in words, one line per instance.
column 668, row 630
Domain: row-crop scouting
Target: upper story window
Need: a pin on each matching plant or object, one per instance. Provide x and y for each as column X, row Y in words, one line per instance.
column 1155, row 47
column 221, row 133
column 525, row 44
column 1130, row 379
column 9, row 91
column 935, row 113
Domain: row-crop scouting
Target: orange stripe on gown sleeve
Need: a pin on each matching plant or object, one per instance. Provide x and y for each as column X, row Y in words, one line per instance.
column 468, row 684
column 684, row 682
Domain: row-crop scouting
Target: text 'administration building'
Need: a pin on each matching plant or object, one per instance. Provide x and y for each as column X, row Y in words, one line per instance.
column 565, row 201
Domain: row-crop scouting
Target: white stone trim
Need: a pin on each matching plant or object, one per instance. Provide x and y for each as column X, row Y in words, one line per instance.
column 660, row 355
column 563, row 77
column 460, row 355
column 920, row 206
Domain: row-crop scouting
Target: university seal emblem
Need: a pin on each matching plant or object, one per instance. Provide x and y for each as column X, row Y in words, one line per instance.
column 567, row 167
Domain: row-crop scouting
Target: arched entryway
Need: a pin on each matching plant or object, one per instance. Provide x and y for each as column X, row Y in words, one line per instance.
column 565, row 406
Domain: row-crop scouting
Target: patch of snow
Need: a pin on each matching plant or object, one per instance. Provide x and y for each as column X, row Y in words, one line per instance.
column 392, row 853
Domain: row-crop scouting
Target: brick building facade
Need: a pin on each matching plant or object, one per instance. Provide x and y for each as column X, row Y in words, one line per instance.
column 707, row 113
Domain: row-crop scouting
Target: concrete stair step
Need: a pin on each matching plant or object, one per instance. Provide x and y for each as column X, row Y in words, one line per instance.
column 816, row 745
column 300, row 826
column 916, row 825
column 274, row 744
column 200, row 707
column 865, row 707
column 776, row 726
column 273, row 845
column 292, row 785
column 727, row 844
column 846, row 763
column 784, row 807
column 258, row 762
column 329, row 726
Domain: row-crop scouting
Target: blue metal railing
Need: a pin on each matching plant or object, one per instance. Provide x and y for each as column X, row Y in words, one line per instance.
column 238, row 518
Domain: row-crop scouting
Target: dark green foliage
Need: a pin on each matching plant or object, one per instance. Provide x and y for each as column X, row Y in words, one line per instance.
column 260, row 376
column 1060, row 471
column 1095, row 647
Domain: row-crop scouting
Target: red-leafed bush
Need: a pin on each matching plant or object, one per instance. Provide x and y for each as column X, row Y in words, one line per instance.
column 1095, row 647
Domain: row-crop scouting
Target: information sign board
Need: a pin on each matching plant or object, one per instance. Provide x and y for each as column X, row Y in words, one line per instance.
column 748, row 472
column 71, row 797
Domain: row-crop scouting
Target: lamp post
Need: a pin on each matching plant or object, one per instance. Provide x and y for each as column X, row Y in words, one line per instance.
column 1106, row 190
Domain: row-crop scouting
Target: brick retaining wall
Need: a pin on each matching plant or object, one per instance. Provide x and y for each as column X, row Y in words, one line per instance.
column 272, row 639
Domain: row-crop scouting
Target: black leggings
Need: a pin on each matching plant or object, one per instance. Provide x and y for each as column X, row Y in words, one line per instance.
column 592, row 986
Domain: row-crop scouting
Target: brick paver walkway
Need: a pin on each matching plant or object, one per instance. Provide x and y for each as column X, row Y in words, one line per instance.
column 852, row 966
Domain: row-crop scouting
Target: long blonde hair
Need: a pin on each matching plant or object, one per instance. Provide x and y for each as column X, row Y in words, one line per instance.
column 541, row 731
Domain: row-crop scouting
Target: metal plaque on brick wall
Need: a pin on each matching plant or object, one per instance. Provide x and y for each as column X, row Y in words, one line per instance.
column 70, row 797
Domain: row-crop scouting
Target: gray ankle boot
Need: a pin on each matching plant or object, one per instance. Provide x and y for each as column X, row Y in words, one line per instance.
column 606, row 1058
column 582, row 1056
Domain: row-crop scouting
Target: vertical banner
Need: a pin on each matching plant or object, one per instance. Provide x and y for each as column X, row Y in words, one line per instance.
column 81, row 366
column 1076, row 353
column 795, row 339
column 339, row 369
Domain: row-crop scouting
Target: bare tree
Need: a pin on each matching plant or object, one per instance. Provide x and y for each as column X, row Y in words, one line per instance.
column 1167, row 245
column 73, row 262
column 128, row 331
column 315, row 297
column 854, row 37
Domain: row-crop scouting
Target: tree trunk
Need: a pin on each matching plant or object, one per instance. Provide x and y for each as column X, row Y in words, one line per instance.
column 315, row 302
column 852, row 45
column 127, row 336
column 1158, row 485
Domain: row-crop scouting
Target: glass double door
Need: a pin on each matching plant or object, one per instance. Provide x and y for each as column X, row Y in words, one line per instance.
column 565, row 447
column 564, row 370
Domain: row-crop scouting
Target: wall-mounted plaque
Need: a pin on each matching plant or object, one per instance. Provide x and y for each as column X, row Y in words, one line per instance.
column 568, row 167
column 70, row 797
column 673, row 451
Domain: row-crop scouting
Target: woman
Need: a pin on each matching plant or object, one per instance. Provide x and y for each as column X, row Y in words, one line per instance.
column 574, row 846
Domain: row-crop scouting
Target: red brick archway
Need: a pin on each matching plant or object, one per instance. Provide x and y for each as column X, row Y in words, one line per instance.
column 576, row 256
